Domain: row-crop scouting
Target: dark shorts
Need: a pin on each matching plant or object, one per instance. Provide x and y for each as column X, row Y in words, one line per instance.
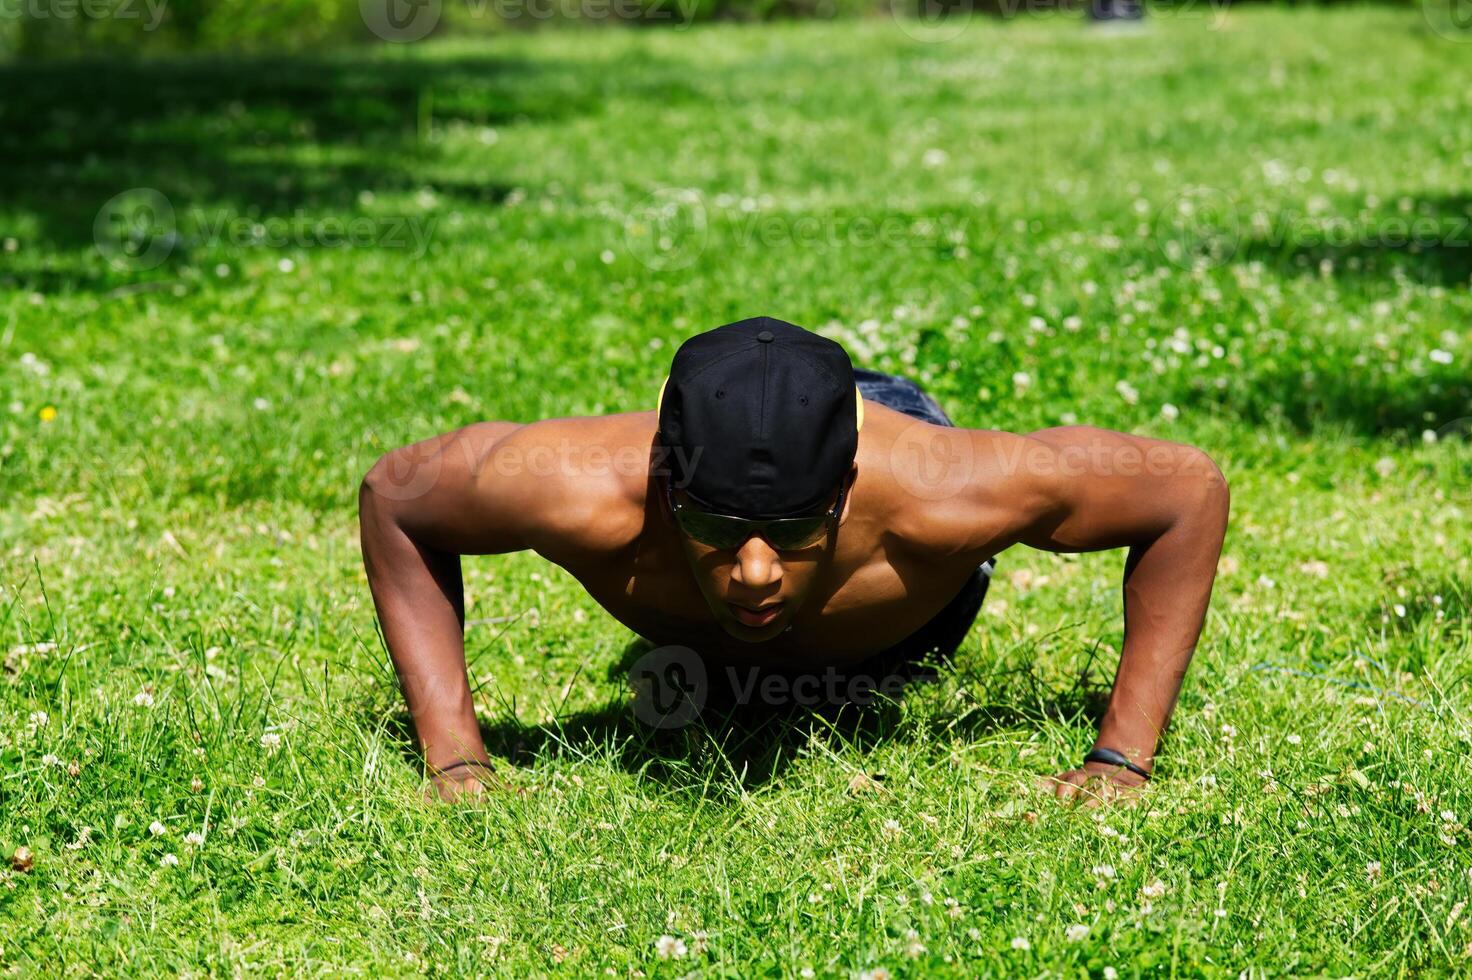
column 883, row 674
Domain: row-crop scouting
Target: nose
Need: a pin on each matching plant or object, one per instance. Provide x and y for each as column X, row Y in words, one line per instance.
column 758, row 566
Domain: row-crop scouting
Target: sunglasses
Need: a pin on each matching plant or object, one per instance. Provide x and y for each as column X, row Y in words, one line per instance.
column 724, row 531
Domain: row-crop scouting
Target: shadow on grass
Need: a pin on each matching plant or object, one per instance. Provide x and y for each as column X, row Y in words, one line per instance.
column 1361, row 399
column 1431, row 243
column 731, row 748
column 258, row 137
column 1306, row 381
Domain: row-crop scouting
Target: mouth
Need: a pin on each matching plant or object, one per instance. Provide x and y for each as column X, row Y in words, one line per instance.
column 758, row 616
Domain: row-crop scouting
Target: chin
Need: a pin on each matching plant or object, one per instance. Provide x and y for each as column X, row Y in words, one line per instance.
column 754, row 634
column 734, row 625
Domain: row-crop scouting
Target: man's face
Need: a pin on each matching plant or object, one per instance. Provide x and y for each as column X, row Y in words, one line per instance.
column 754, row 589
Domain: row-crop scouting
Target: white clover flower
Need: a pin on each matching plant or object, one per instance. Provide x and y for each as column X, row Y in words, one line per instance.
column 892, row 828
column 143, row 699
column 194, row 839
column 271, row 741
column 50, row 760
column 1295, row 739
column 1076, row 933
column 169, row 860
column 913, row 946
column 157, row 829
column 1154, row 889
column 1169, row 412
column 1020, row 942
column 667, row 947
column 1372, row 869
column 39, row 719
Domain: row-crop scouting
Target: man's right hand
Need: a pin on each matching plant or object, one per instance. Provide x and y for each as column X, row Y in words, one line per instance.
column 467, row 784
column 453, row 787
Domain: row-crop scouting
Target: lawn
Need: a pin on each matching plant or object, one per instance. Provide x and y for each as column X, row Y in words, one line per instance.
column 1245, row 231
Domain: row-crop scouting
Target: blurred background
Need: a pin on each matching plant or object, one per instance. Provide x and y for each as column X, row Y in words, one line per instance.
column 52, row 28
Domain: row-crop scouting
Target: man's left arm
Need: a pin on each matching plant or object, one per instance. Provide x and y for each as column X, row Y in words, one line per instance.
column 1087, row 489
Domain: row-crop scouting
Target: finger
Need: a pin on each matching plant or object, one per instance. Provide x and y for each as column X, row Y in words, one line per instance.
column 1068, row 786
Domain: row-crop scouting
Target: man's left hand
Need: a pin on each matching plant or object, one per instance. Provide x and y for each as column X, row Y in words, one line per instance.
column 1093, row 784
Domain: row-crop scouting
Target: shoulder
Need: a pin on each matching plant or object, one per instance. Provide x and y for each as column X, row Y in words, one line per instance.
column 945, row 491
column 582, row 483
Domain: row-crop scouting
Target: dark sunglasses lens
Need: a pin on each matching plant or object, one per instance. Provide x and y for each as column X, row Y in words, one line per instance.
column 796, row 532
column 715, row 530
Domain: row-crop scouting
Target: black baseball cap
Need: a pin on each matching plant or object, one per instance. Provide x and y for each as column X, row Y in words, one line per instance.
column 760, row 419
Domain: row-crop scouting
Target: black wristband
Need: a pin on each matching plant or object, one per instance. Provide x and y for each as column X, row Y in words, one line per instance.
column 1109, row 757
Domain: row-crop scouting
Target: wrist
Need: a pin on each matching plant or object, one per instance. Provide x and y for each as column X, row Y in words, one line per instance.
column 1104, row 759
column 1137, row 745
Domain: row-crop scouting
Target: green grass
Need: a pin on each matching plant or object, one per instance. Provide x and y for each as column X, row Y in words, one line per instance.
column 184, row 526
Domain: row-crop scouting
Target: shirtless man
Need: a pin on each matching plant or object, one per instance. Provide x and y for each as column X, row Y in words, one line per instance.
column 780, row 511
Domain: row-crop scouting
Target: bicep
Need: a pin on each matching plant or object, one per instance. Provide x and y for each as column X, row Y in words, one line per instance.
column 1085, row 489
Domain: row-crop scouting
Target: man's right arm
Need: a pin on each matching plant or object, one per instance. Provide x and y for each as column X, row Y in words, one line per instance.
column 420, row 508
